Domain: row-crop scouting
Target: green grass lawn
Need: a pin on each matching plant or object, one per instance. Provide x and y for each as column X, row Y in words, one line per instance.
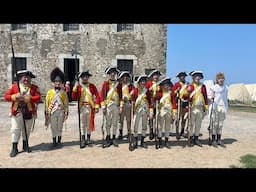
column 249, row 161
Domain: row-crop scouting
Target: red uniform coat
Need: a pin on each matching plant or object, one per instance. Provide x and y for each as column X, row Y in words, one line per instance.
column 35, row 97
column 191, row 87
column 173, row 99
column 106, row 87
column 94, row 92
column 148, row 95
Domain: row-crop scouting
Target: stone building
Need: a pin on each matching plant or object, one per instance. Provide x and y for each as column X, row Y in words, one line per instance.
column 78, row 47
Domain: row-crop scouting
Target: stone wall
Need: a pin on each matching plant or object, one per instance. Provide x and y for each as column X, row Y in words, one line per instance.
column 99, row 45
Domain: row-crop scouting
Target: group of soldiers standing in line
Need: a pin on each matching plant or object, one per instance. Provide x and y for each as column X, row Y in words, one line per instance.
column 155, row 101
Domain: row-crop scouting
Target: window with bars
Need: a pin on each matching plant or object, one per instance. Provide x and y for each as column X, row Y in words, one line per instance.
column 125, row 27
column 70, row 27
column 18, row 26
column 125, row 65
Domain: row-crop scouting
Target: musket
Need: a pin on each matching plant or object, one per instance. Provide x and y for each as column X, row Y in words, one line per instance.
column 189, row 123
column 21, row 105
column 177, row 122
column 78, row 110
column 210, row 124
column 130, row 138
column 103, row 121
column 156, row 125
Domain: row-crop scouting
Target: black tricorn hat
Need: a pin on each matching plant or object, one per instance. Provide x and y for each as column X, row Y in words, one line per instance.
column 181, row 74
column 124, row 73
column 84, row 73
column 141, row 78
column 155, row 71
column 25, row 72
column 166, row 80
column 197, row 73
column 108, row 70
column 57, row 75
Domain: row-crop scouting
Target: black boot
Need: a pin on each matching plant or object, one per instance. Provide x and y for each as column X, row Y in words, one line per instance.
column 160, row 143
column 214, row 144
column 197, row 142
column 25, row 146
column 120, row 134
column 115, row 143
column 54, row 144
column 88, row 142
column 108, row 142
column 143, row 144
column 151, row 133
column 59, row 139
column 83, row 142
column 136, row 143
column 191, row 141
column 182, row 132
column 219, row 142
column 167, row 143
column 14, row 151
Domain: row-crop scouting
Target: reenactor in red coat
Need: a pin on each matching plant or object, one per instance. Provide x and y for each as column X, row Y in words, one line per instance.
column 197, row 96
column 166, row 111
column 182, row 104
column 89, row 101
column 127, row 87
column 24, row 95
column 111, row 96
column 142, row 109
column 153, row 86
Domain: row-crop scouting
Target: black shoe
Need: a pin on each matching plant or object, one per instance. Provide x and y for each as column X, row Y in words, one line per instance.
column 142, row 143
column 160, row 143
column 213, row 141
column 191, row 141
column 151, row 134
column 88, row 142
column 54, row 144
column 136, row 143
column 59, row 139
column 167, row 143
column 25, row 147
column 83, row 144
column 115, row 143
column 14, row 151
column 120, row 137
column 108, row 142
column 219, row 142
column 197, row 142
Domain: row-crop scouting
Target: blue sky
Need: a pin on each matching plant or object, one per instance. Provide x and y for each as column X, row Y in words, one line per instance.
column 230, row 48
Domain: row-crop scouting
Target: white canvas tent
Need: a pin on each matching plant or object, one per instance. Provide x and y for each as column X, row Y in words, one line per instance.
column 239, row 92
column 252, row 90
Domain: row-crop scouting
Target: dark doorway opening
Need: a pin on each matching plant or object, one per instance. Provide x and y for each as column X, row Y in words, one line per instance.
column 71, row 68
column 18, row 63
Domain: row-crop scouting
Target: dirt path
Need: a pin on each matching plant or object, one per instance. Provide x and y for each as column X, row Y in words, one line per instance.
column 239, row 135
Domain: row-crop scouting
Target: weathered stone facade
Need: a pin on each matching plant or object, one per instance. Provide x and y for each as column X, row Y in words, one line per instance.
column 45, row 46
